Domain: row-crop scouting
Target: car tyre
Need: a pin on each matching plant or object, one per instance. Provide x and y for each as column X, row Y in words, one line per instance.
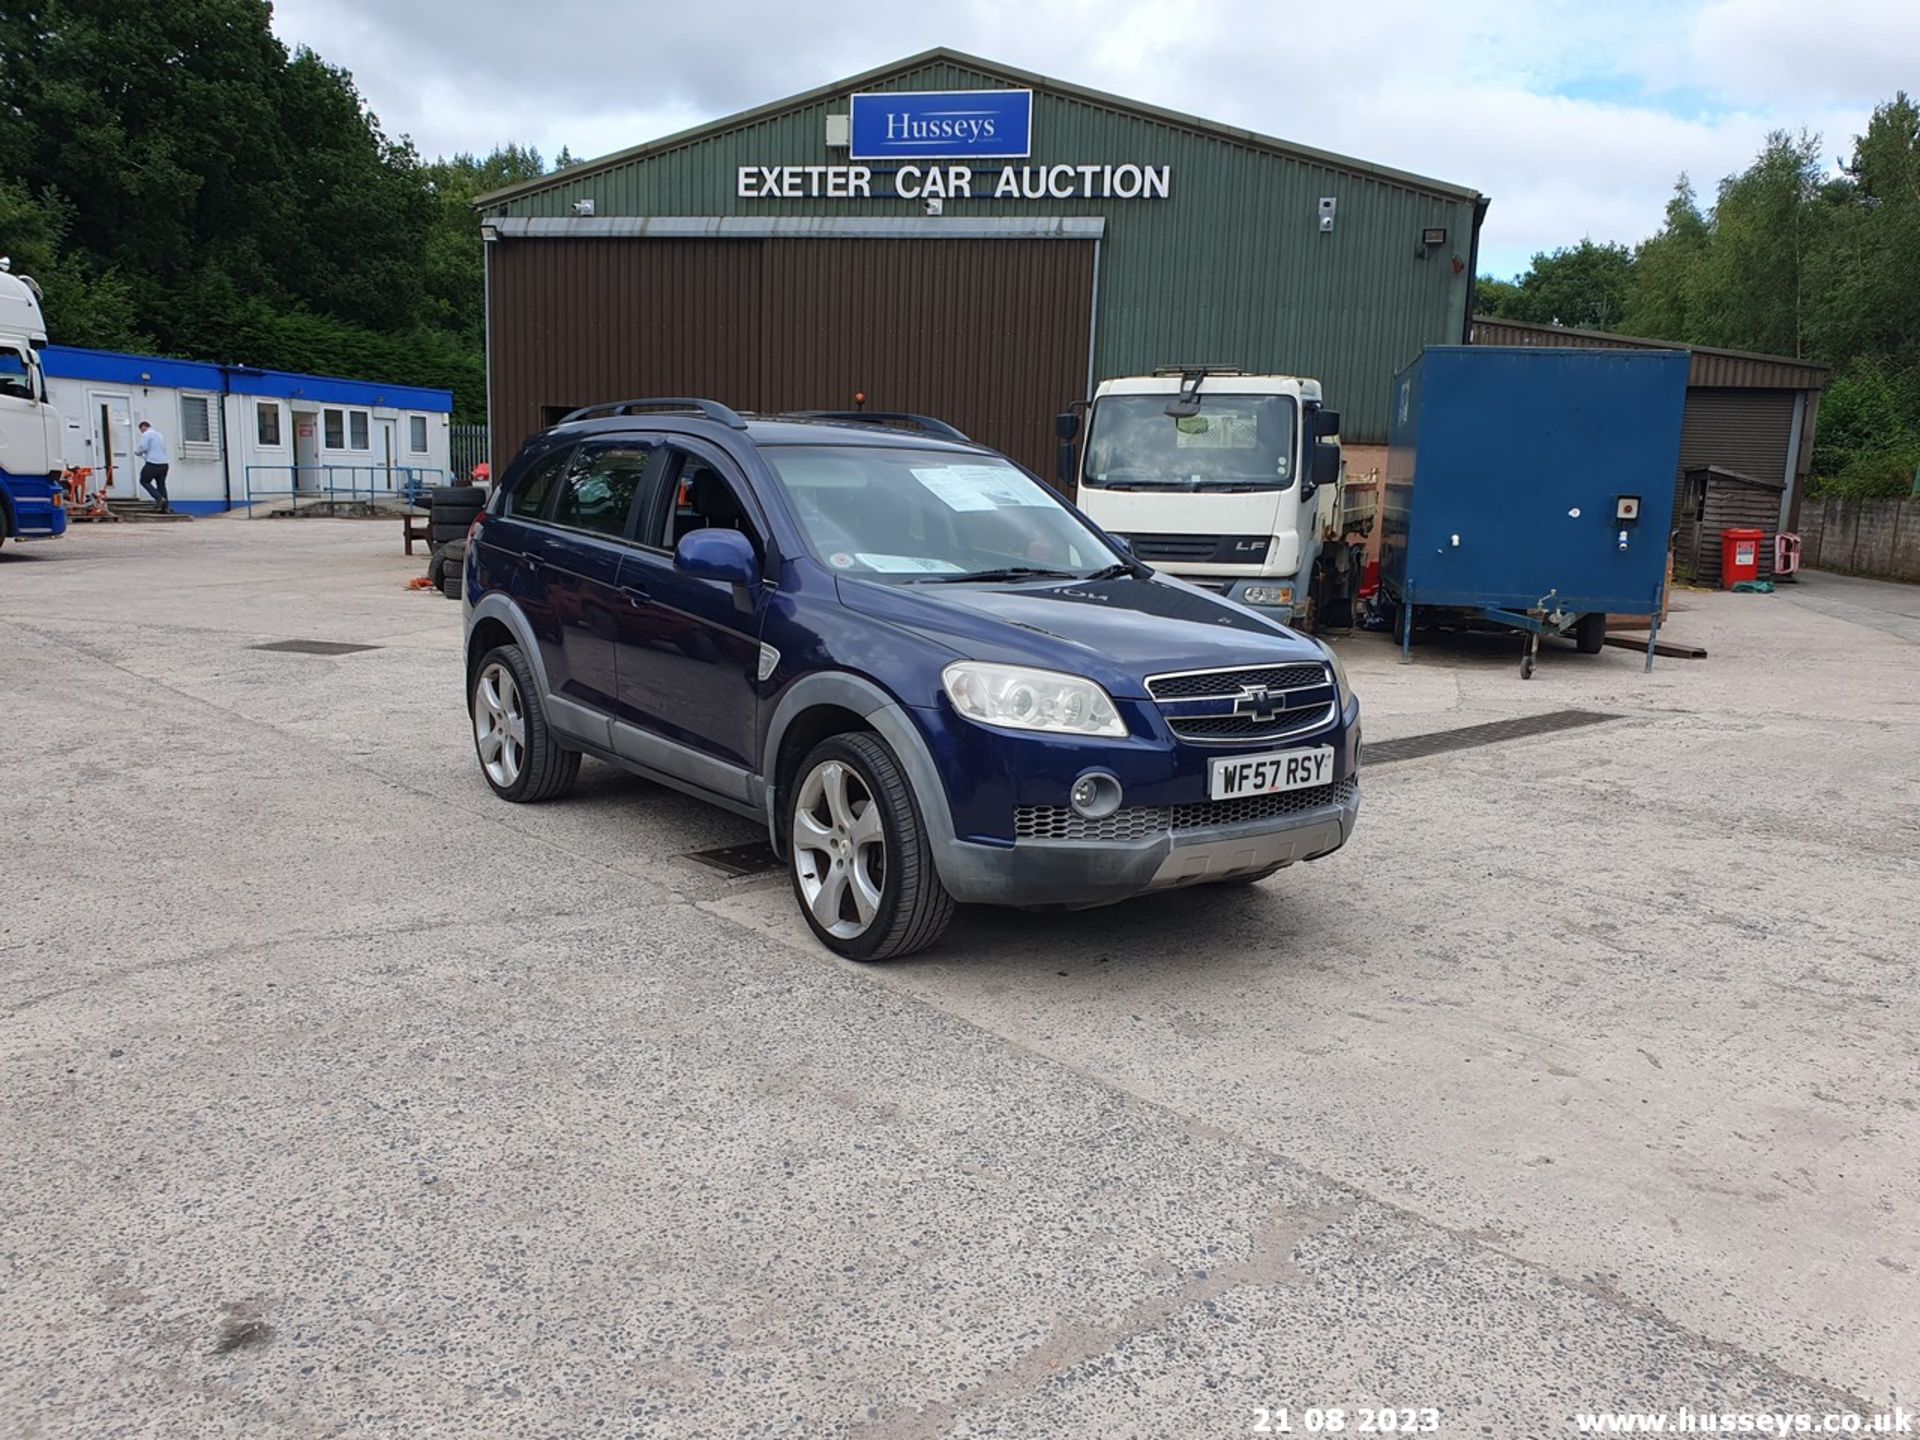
column 1590, row 633
column 858, row 853
column 457, row 500
column 520, row 756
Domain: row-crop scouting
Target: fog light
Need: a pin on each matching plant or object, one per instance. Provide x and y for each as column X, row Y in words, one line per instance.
column 1095, row 795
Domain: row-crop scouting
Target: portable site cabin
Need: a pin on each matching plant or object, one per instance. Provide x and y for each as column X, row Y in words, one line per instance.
column 242, row 437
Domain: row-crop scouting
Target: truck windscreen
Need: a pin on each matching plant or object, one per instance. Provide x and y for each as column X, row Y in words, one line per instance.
column 1237, row 442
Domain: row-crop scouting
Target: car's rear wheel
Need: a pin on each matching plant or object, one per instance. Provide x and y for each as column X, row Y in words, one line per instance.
column 858, row 854
column 519, row 754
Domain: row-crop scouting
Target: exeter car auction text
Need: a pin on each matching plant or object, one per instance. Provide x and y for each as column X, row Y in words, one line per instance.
column 914, row 182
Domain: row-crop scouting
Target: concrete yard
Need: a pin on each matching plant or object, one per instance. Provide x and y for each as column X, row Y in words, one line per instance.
column 339, row 1098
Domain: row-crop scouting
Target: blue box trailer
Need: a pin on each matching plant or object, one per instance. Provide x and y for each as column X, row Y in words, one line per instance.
column 1531, row 487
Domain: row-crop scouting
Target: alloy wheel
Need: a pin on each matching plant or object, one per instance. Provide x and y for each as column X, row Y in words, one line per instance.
column 499, row 725
column 839, row 849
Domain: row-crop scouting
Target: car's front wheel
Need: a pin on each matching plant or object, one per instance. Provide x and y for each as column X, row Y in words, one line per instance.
column 519, row 754
column 858, row 854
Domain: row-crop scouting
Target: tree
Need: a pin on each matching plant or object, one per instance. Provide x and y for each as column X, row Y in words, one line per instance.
column 1658, row 302
column 1584, row 287
column 1499, row 298
column 1748, row 289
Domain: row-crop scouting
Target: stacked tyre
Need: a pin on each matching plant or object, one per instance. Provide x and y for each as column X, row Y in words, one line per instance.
column 447, row 568
column 452, row 512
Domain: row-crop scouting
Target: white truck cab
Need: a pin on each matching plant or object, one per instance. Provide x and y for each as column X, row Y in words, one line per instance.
column 32, row 498
column 1214, row 476
column 30, row 430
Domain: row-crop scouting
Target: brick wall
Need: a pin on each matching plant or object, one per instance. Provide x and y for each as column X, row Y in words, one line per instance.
column 1862, row 536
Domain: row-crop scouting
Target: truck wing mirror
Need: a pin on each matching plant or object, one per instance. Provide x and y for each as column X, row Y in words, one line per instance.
column 1326, row 422
column 1326, row 463
column 1066, row 425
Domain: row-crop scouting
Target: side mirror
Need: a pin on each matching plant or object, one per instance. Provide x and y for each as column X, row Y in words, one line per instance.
column 1066, row 426
column 1326, row 422
column 717, row 554
column 1326, row 462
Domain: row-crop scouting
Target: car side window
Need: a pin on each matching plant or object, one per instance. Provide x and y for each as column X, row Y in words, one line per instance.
column 600, row 486
column 529, row 498
column 703, row 496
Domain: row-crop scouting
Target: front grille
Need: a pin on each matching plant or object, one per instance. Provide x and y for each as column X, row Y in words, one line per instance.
column 1210, row 813
column 1198, row 548
column 1195, row 684
column 1141, row 822
column 1244, row 729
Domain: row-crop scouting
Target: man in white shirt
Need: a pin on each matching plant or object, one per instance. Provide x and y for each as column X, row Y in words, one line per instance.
column 151, row 447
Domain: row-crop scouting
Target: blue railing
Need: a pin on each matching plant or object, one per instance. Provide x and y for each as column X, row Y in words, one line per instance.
column 297, row 487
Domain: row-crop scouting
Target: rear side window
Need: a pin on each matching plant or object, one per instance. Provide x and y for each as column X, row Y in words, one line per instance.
column 529, row 500
column 598, row 492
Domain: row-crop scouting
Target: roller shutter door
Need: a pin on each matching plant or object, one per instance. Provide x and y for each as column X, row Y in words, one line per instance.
column 990, row 335
column 1746, row 431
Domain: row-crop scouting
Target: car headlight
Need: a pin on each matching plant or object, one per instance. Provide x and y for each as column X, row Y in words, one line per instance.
column 1339, row 677
column 1013, row 697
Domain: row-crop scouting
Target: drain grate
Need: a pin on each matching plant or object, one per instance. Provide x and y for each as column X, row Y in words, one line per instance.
column 313, row 647
column 1467, row 737
column 756, row 857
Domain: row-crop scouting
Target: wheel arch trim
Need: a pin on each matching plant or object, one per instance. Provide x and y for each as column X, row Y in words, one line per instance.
column 890, row 721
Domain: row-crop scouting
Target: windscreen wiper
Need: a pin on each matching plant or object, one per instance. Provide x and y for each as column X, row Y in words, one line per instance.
column 1010, row 572
column 1114, row 572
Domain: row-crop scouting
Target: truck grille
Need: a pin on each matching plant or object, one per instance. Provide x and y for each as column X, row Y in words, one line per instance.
column 1200, row 549
column 1142, row 822
column 1200, row 684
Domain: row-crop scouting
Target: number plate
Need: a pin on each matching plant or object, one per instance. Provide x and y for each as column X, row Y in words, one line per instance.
column 1270, row 774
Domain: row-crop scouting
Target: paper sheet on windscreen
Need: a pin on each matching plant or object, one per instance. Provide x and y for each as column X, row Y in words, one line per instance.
column 980, row 487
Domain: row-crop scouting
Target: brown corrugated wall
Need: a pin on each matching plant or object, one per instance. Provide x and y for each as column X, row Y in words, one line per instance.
column 989, row 335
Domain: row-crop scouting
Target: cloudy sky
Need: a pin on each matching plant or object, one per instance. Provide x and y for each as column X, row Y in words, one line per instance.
column 1574, row 115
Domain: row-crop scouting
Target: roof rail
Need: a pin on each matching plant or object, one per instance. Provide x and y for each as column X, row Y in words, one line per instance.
column 712, row 409
column 1184, row 370
column 894, row 419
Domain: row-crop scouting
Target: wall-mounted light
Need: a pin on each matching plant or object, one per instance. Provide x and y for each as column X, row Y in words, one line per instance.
column 1434, row 236
column 1327, row 204
column 583, row 208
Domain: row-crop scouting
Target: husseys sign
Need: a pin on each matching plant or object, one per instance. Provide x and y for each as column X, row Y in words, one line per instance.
column 897, row 128
column 942, row 125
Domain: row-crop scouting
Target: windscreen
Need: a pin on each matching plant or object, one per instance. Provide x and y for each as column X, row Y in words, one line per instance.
column 1241, row 442
column 927, row 516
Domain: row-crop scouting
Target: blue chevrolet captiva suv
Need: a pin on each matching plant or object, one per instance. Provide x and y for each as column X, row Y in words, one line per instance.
column 931, row 678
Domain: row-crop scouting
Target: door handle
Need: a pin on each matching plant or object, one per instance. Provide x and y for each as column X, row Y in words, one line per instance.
column 636, row 597
column 533, row 563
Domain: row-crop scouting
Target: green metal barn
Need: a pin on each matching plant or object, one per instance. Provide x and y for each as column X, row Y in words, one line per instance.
column 961, row 238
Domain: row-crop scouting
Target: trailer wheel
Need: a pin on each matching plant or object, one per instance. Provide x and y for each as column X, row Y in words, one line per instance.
column 1590, row 634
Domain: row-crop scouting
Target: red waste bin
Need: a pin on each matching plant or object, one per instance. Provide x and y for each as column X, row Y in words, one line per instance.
column 1739, row 556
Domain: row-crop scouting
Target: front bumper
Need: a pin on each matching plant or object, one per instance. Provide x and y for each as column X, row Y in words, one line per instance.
column 1079, row 874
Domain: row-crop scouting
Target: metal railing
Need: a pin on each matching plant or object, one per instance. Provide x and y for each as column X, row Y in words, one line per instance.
column 282, row 488
column 468, row 444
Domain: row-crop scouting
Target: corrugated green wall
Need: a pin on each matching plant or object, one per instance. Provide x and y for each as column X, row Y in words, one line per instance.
column 1231, row 268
